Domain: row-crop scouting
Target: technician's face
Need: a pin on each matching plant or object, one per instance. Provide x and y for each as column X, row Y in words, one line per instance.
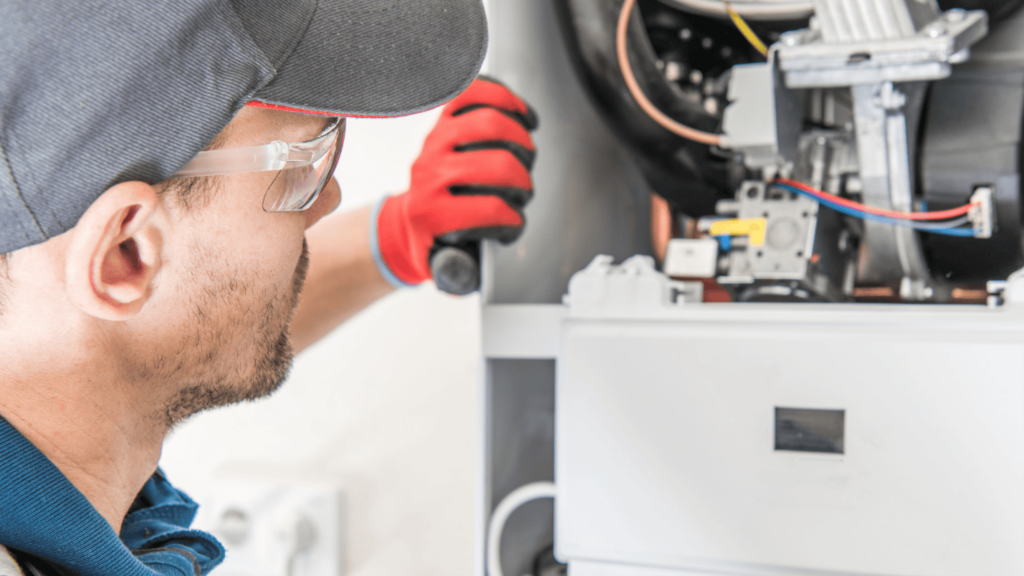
column 236, row 282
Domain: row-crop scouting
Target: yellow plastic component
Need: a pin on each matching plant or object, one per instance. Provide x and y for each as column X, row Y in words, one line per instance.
column 755, row 228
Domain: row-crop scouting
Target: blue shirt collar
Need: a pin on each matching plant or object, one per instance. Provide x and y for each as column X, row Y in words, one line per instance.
column 43, row 514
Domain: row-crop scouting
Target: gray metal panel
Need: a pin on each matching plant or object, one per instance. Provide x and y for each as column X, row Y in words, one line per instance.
column 520, row 445
column 589, row 199
column 589, row 196
column 522, row 331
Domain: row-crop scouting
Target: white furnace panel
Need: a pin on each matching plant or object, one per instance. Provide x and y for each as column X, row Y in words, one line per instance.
column 666, row 447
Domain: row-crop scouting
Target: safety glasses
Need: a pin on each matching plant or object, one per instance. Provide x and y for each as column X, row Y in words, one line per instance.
column 305, row 167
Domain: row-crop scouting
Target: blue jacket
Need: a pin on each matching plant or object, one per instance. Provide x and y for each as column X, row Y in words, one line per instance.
column 42, row 515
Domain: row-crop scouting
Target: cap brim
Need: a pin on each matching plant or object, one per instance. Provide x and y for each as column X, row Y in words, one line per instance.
column 381, row 58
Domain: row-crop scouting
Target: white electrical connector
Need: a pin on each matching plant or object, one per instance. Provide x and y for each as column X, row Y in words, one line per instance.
column 981, row 212
column 691, row 258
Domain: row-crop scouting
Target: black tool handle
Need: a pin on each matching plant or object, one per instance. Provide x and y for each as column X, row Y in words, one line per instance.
column 456, row 267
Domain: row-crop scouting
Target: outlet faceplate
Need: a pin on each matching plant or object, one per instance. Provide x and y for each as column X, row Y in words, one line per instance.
column 275, row 528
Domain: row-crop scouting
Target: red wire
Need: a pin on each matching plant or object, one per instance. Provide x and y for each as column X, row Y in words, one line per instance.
column 938, row 215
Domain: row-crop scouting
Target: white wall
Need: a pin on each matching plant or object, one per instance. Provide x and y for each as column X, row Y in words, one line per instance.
column 385, row 407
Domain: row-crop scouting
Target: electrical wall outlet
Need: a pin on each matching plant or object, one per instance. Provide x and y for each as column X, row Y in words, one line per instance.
column 275, row 528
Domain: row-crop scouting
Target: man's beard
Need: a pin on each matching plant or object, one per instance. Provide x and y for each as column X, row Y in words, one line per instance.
column 215, row 381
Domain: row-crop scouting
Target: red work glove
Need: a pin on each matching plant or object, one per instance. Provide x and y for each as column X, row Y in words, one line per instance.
column 471, row 181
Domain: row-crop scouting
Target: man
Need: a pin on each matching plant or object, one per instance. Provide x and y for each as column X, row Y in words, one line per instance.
column 162, row 166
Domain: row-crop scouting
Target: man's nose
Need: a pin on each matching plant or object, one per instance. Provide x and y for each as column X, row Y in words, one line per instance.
column 328, row 200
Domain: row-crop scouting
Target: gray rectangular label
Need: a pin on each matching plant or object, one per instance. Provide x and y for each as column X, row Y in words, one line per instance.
column 807, row 430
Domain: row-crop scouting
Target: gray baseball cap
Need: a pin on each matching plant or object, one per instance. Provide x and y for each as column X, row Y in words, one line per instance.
column 97, row 92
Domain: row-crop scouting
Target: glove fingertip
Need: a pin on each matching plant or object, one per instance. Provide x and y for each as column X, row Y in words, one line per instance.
column 510, row 234
column 527, row 157
column 530, row 120
column 528, row 116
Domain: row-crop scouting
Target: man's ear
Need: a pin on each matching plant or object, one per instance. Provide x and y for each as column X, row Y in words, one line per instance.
column 115, row 252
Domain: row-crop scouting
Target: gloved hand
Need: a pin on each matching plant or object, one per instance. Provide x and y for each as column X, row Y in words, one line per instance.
column 470, row 182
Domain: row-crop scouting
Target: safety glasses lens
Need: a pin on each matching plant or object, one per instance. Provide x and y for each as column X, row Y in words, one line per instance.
column 296, row 189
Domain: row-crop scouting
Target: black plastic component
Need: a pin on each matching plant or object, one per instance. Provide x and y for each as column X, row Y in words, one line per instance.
column 971, row 136
column 456, row 269
column 701, row 50
column 545, row 563
column 774, row 291
column 997, row 9
column 809, row 430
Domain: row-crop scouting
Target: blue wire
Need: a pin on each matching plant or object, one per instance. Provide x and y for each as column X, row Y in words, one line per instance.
column 962, row 232
column 946, row 231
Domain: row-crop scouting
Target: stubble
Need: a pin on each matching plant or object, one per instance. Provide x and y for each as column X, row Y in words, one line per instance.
column 207, row 374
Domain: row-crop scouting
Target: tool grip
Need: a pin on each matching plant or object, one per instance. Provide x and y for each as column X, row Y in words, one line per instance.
column 456, row 268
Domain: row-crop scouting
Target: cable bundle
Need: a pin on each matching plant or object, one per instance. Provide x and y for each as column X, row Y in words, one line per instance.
column 923, row 221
